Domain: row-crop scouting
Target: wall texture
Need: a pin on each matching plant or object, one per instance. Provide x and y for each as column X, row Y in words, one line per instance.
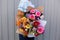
column 8, row 10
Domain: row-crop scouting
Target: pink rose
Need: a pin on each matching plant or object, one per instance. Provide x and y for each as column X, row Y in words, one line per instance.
column 38, row 13
column 40, row 30
column 32, row 11
column 32, row 16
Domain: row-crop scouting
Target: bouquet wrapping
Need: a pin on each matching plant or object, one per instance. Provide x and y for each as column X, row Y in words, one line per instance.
column 31, row 23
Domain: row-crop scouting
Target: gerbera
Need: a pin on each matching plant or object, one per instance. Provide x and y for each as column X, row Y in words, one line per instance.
column 40, row 30
column 38, row 13
column 36, row 23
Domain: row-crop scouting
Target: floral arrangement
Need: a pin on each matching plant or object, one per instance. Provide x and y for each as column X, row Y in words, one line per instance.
column 31, row 23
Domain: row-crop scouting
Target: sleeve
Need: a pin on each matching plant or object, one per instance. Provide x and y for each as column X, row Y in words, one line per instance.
column 30, row 4
column 20, row 6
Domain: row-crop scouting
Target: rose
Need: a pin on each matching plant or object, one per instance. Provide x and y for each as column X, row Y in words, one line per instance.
column 40, row 30
column 32, row 16
column 38, row 13
column 36, row 23
column 32, row 11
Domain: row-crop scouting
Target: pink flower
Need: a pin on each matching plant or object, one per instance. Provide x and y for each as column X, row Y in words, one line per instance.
column 32, row 16
column 32, row 11
column 38, row 13
column 40, row 30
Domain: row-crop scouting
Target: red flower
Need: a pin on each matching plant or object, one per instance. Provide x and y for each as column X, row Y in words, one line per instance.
column 40, row 30
column 32, row 16
column 36, row 23
column 38, row 13
column 32, row 11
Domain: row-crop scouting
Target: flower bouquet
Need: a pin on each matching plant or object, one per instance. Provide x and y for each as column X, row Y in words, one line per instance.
column 32, row 24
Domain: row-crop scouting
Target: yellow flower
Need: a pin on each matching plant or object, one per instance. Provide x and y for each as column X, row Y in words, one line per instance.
column 21, row 30
column 23, row 19
column 28, row 26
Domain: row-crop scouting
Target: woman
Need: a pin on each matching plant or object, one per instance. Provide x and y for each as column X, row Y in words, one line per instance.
column 24, row 6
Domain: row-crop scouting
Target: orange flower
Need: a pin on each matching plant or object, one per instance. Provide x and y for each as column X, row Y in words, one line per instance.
column 18, row 23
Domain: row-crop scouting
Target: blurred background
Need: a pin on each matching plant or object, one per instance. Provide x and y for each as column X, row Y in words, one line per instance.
column 8, row 11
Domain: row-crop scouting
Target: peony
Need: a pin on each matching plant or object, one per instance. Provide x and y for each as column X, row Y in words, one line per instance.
column 38, row 13
column 40, row 30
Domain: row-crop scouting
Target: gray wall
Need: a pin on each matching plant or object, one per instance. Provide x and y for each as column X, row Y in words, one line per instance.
column 8, row 10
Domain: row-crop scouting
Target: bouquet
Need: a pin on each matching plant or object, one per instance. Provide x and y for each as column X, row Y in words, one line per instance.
column 31, row 23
